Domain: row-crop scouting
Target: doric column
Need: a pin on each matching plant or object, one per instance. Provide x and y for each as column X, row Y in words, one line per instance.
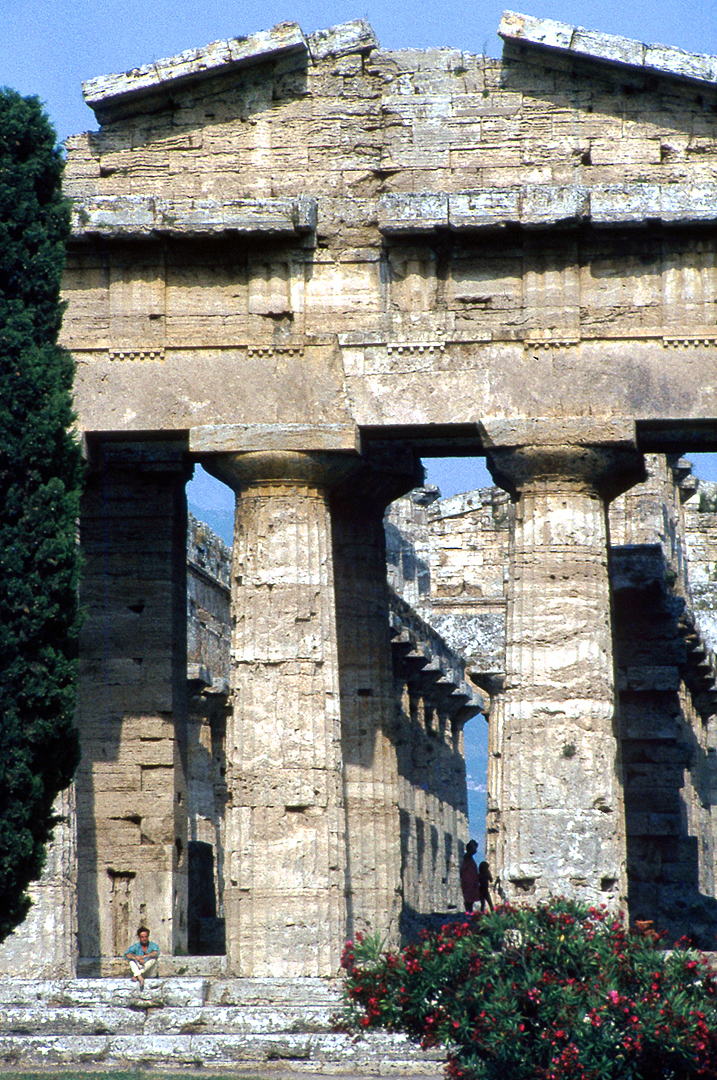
column 284, row 881
column 561, row 827
column 368, row 706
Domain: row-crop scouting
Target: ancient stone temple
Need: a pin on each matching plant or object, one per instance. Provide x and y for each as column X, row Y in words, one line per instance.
column 304, row 262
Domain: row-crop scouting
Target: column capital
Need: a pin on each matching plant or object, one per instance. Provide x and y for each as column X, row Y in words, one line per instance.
column 385, row 471
column 323, row 470
column 602, row 469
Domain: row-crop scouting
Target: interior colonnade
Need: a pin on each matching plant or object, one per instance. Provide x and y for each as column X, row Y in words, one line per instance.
column 312, row 822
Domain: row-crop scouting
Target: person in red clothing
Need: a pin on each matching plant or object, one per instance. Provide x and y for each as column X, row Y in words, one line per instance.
column 470, row 879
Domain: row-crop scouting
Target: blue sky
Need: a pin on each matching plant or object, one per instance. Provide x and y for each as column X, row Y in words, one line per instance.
column 49, row 47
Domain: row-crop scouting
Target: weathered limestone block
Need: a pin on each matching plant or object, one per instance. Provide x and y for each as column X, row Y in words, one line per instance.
column 412, row 213
column 237, row 438
column 484, row 208
column 139, row 215
column 607, row 47
column 682, row 64
column 538, row 206
column 349, row 37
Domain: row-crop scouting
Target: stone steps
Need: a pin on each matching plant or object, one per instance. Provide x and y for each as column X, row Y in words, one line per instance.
column 270, row 1028
column 169, row 967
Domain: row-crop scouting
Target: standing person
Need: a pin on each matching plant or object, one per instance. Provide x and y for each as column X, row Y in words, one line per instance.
column 470, row 880
column 142, row 957
column 484, row 880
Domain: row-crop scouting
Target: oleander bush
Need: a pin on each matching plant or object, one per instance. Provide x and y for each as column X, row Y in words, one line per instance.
column 554, row 992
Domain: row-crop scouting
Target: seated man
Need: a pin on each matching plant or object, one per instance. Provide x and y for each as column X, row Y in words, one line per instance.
column 142, row 957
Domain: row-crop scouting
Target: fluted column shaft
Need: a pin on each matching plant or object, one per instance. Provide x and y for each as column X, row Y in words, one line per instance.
column 368, row 706
column 284, row 902
column 561, row 826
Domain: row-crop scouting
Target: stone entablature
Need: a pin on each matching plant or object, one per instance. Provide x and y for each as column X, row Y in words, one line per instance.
column 111, row 96
column 142, row 215
column 383, row 218
column 543, row 206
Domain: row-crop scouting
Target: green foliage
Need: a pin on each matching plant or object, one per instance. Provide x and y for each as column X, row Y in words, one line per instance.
column 557, row 992
column 40, row 477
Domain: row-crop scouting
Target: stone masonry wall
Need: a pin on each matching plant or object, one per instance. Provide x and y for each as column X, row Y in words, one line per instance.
column 131, row 781
column 701, row 536
column 45, row 945
column 454, row 120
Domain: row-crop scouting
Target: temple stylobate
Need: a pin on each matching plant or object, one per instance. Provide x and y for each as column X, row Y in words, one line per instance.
column 305, row 261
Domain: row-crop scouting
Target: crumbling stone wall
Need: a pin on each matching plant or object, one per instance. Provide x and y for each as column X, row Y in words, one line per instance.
column 701, row 546
column 701, row 539
column 448, row 558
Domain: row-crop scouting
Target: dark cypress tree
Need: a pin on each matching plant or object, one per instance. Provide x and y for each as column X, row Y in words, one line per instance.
column 40, row 477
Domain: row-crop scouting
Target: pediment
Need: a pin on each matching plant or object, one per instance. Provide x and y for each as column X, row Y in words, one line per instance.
column 113, row 97
column 549, row 37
